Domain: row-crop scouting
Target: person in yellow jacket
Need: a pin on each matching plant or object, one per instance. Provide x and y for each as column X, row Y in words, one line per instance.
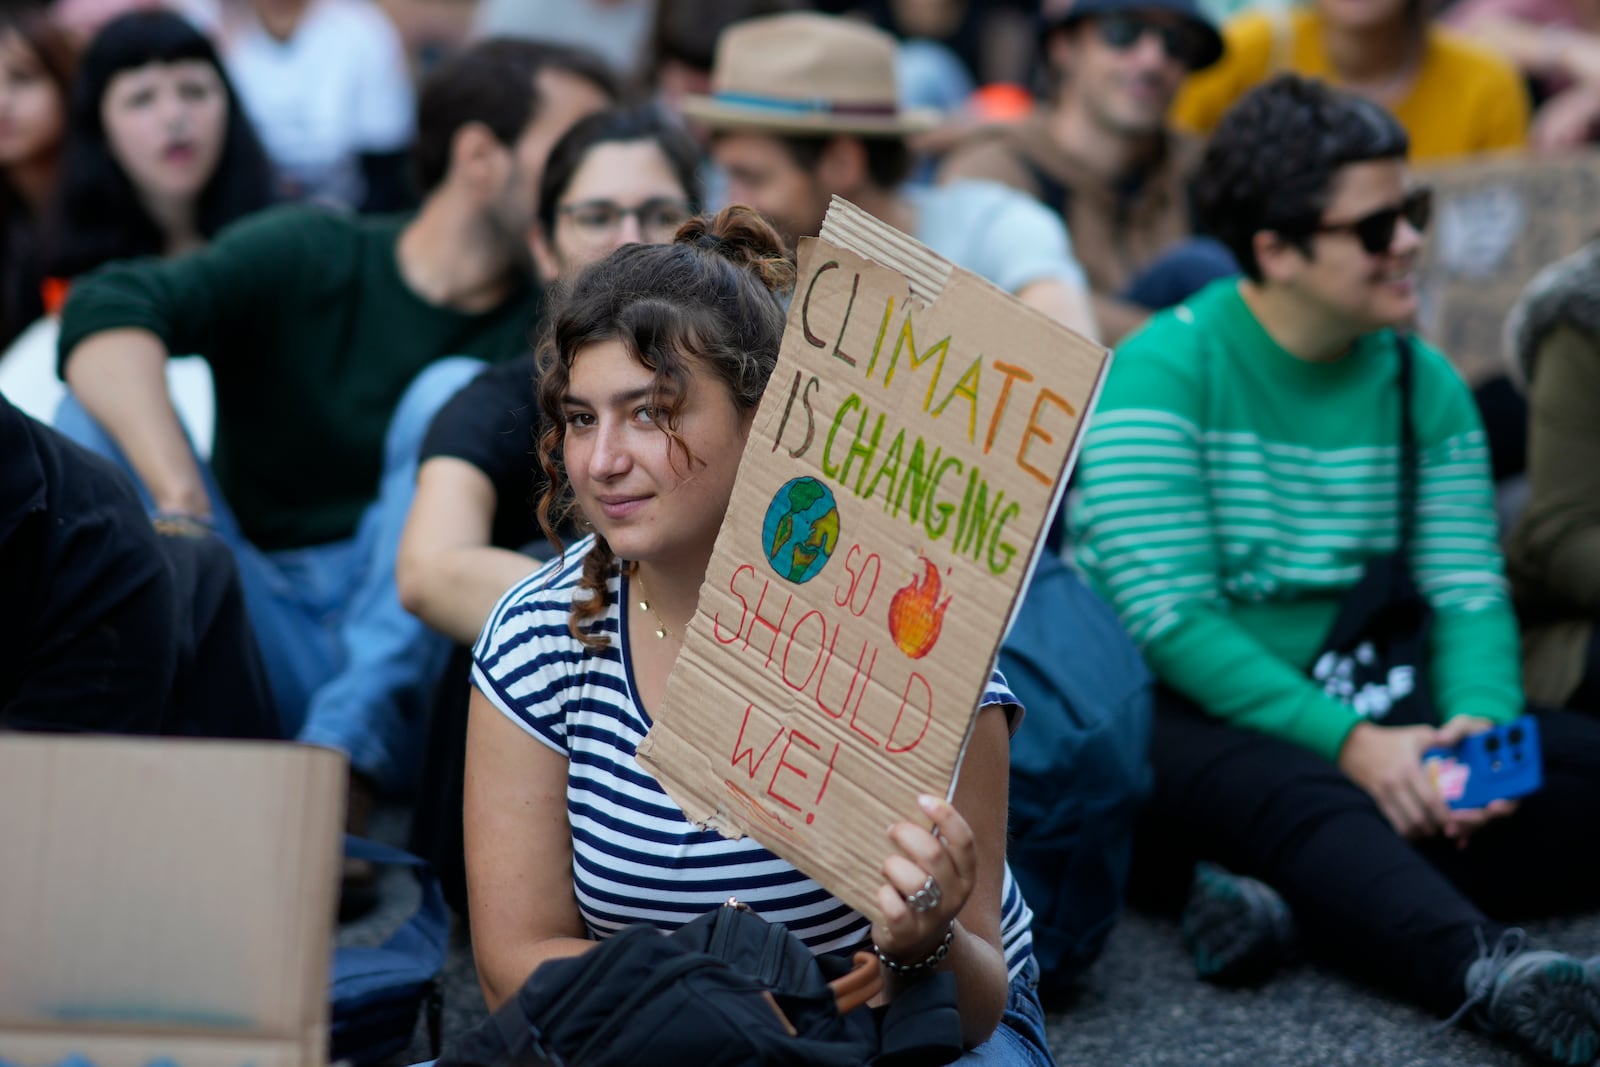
column 1453, row 97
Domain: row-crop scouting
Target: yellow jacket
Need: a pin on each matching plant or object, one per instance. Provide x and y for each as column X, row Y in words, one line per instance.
column 1465, row 99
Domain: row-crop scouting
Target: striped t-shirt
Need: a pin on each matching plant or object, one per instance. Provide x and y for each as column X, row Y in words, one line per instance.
column 1232, row 494
column 635, row 858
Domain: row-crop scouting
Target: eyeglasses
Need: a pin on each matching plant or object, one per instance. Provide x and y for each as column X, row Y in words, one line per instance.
column 599, row 220
column 1376, row 231
column 1181, row 40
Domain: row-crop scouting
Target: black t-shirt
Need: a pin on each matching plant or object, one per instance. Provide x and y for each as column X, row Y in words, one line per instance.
column 492, row 424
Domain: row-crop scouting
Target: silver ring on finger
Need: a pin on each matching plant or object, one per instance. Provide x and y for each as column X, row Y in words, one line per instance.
column 927, row 898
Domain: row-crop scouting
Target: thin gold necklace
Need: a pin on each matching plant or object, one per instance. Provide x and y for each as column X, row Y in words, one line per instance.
column 661, row 625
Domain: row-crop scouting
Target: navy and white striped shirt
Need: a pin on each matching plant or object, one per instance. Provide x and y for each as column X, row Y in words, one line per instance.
column 635, row 858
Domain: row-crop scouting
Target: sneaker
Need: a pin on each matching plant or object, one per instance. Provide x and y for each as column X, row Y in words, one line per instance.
column 1239, row 930
column 1546, row 1003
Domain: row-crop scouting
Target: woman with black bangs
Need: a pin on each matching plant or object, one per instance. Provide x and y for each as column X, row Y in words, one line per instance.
column 157, row 158
column 158, row 155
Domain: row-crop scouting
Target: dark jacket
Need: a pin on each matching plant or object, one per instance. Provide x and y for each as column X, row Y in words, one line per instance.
column 1553, row 552
column 106, row 625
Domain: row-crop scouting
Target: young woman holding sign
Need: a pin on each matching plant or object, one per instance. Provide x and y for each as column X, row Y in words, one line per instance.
column 650, row 374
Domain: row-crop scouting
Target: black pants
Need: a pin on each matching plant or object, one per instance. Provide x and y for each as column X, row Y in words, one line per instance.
column 1587, row 696
column 220, row 686
column 1399, row 913
column 436, row 831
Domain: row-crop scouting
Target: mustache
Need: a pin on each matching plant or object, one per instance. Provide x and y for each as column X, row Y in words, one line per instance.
column 1149, row 80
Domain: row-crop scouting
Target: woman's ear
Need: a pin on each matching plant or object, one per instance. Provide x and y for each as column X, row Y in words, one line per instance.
column 544, row 255
column 747, row 420
column 1279, row 258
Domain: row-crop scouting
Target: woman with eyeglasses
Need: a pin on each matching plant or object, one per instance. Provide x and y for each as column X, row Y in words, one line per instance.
column 1453, row 96
column 1288, row 503
column 617, row 177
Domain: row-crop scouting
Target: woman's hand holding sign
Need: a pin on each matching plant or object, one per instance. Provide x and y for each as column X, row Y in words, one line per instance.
column 927, row 883
column 940, row 900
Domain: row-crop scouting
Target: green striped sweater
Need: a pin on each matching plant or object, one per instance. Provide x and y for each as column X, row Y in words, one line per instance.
column 1232, row 493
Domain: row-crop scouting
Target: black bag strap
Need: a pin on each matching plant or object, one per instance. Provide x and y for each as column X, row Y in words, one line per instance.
column 1408, row 452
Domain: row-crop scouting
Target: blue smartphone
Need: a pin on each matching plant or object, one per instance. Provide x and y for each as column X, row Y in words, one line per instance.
column 1499, row 764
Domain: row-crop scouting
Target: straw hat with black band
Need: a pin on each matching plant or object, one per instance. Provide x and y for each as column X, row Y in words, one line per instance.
column 806, row 74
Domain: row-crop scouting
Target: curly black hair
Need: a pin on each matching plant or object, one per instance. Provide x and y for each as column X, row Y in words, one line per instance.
column 1272, row 162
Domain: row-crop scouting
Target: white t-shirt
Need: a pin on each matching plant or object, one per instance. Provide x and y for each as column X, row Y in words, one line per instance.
column 338, row 88
column 997, row 233
column 28, row 379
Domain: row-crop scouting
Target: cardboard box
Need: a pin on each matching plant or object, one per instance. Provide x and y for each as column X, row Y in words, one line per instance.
column 167, row 899
column 1498, row 221
column 911, row 445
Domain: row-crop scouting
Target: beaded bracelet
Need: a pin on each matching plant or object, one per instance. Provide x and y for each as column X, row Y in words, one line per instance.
column 936, row 957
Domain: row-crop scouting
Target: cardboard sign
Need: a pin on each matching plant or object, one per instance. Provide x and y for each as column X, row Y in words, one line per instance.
column 167, row 900
column 1497, row 222
column 902, row 466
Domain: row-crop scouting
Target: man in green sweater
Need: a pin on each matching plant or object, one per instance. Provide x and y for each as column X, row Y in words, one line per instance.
column 1242, row 471
column 327, row 336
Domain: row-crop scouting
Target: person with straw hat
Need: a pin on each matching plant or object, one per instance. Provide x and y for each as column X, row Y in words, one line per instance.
column 804, row 107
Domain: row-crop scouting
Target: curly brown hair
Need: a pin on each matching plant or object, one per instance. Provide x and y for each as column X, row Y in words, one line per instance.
column 708, row 298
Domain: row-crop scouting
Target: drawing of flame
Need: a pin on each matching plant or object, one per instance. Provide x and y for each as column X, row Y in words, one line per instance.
column 915, row 614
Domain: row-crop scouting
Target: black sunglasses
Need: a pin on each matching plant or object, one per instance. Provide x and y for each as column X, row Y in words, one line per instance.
column 1181, row 40
column 1376, row 231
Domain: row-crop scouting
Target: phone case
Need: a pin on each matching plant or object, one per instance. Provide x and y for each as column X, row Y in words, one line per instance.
column 1499, row 764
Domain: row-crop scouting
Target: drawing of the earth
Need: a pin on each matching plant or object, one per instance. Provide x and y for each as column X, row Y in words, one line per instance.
column 801, row 529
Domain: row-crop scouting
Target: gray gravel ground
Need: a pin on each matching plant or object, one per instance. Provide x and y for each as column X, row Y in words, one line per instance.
column 1140, row 1005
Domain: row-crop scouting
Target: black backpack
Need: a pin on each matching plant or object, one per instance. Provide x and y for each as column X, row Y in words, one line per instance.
column 727, row 989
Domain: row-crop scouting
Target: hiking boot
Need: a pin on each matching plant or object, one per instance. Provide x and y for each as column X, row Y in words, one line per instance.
column 1238, row 929
column 1545, row 1003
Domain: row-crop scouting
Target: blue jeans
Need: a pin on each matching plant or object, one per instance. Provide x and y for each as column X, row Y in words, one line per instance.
column 349, row 667
column 1019, row 1040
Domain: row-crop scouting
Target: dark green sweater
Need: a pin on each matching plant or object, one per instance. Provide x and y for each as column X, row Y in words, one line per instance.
column 312, row 337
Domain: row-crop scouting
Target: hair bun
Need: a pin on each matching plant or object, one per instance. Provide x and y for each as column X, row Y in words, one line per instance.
column 740, row 235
